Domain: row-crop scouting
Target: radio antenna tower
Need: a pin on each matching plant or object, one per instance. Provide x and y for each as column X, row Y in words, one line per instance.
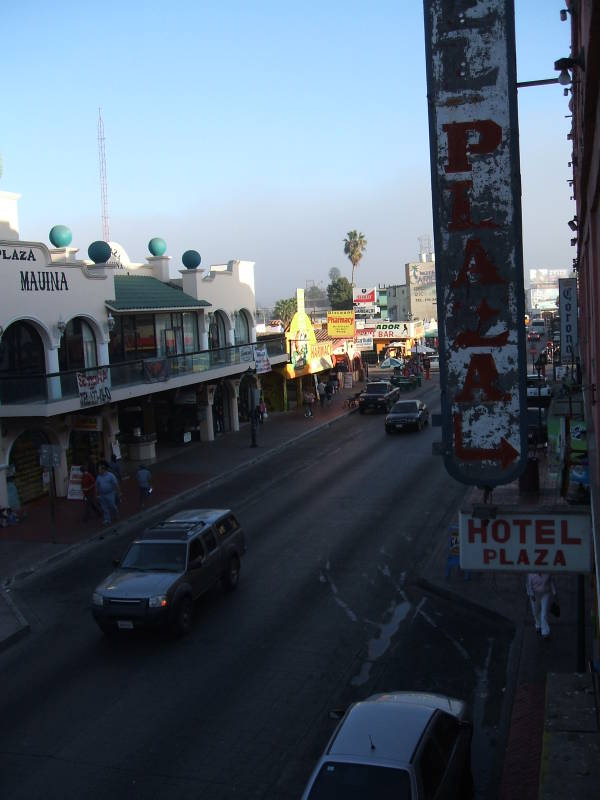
column 103, row 182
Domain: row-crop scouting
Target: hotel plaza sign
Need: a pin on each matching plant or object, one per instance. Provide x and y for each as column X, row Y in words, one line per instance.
column 471, row 86
column 527, row 540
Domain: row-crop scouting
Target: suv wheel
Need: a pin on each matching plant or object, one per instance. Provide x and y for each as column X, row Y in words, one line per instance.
column 183, row 618
column 232, row 576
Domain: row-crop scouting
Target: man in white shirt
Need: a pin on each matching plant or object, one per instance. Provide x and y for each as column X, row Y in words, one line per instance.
column 541, row 590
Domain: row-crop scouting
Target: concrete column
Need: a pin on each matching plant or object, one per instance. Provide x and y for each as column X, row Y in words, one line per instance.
column 206, row 397
column 234, row 403
column 203, row 328
column 54, row 388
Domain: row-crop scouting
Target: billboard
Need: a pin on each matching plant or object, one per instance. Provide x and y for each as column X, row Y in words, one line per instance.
column 473, row 128
column 340, row 324
column 420, row 279
column 365, row 297
column 569, row 334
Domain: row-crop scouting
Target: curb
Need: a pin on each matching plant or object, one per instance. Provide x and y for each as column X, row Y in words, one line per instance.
column 122, row 528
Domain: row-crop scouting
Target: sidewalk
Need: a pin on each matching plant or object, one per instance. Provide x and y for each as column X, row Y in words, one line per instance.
column 547, row 753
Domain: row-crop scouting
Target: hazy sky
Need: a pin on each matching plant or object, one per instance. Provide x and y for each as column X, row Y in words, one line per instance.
column 257, row 130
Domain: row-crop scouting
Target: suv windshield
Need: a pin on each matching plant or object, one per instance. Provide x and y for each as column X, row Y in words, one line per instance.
column 149, row 556
column 404, row 407
column 377, row 388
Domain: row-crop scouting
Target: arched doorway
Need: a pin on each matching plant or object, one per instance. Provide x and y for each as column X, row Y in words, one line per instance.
column 77, row 351
column 22, row 364
column 242, row 328
column 31, row 480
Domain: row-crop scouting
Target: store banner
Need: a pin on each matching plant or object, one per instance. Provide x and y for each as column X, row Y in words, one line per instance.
column 261, row 359
column 340, row 324
column 93, row 387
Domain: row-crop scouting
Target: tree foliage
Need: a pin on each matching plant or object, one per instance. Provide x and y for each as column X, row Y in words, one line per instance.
column 339, row 293
column 355, row 245
column 285, row 310
column 315, row 294
column 334, row 274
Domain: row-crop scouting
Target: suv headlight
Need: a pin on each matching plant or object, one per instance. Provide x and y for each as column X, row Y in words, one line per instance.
column 97, row 599
column 158, row 601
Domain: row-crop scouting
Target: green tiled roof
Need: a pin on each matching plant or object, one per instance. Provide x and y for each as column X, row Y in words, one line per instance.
column 142, row 293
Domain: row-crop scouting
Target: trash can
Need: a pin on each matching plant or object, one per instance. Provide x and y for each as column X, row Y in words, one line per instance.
column 529, row 481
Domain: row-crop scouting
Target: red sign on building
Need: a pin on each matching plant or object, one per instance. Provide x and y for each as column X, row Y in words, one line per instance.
column 471, row 81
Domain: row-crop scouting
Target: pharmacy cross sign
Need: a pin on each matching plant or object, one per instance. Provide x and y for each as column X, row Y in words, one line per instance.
column 471, row 83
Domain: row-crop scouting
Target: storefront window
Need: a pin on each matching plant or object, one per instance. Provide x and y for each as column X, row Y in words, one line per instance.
column 190, row 332
column 146, row 344
column 77, row 346
column 162, row 323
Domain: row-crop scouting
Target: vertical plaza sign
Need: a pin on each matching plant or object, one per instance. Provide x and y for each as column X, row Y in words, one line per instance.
column 472, row 95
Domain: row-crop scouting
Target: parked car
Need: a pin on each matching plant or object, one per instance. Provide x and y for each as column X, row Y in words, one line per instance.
column 378, row 395
column 167, row 568
column 538, row 389
column 407, row 414
column 401, row 745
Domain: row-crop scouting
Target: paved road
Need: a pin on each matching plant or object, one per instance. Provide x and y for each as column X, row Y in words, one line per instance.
column 328, row 611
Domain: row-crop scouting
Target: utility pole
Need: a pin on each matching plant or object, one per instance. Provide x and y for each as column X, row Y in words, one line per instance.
column 103, row 181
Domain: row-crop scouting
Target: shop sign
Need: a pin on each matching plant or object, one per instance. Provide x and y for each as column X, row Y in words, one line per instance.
column 82, row 422
column 569, row 335
column 472, row 92
column 366, row 297
column 526, row 541
column 363, row 342
column 261, row 360
column 93, row 387
column 340, row 324
column 370, row 310
column 246, row 353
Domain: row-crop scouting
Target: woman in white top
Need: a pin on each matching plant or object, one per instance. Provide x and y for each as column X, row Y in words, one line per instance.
column 541, row 590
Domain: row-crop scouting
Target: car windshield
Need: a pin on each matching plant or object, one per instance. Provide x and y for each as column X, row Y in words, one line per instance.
column 404, row 407
column 360, row 781
column 152, row 556
column 377, row 388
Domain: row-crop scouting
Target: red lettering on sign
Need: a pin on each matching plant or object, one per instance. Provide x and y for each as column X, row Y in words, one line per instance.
column 559, row 558
column 459, row 146
column 481, row 376
column 488, row 555
column 496, row 532
column 564, row 534
column 474, row 338
column 504, row 559
column 477, row 267
column 540, row 558
column 544, row 531
column 522, row 558
column 522, row 525
column 481, row 531
column 461, row 208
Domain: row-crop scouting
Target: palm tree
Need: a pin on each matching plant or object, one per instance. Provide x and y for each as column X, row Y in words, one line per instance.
column 285, row 310
column 355, row 245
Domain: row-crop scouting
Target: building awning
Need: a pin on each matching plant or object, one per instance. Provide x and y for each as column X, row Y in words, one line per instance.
column 143, row 293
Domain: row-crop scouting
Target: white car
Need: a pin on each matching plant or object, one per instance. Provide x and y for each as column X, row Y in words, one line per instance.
column 538, row 386
column 404, row 745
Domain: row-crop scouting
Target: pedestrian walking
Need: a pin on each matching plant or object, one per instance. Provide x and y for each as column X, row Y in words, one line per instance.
column 329, row 392
column 308, row 400
column 144, row 481
column 88, row 487
column 262, row 410
column 427, row 367
column 321, row 391
column 541, row 591
column 107, row 492
column 115, row 468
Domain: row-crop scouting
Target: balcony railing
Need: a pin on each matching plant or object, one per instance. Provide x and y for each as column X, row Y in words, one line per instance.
column 25, row 389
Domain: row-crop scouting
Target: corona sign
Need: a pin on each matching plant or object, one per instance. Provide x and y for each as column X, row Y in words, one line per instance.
column 471, row 82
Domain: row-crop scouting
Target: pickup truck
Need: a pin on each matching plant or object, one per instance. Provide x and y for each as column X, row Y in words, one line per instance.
column 378, row 395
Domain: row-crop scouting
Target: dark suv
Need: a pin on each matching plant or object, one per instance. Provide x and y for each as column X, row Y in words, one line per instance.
column 167, row 568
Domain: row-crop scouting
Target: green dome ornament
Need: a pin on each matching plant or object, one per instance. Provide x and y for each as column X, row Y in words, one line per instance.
column 60, row 236
column 99, row 252
column 157, row 246
column 191, row 259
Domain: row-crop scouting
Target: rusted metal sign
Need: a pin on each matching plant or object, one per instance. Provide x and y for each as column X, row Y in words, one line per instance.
column 471, row 82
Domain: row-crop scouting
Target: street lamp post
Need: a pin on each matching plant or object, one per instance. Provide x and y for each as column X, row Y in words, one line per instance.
column 253, row 415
